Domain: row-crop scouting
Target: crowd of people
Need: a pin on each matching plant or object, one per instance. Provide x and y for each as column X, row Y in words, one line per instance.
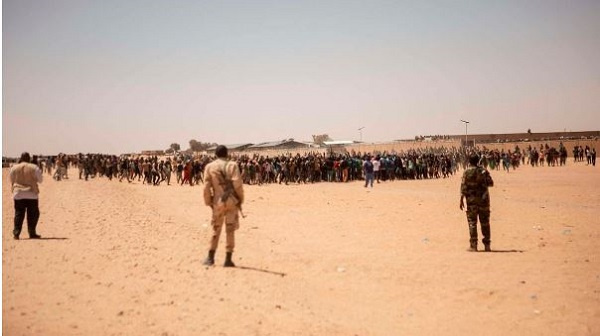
column 318, row 167
column 414, row 164
column 536, row 157
column 258, row 169
column 579, row 153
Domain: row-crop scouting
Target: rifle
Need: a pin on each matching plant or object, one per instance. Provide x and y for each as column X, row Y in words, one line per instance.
column 229, row 190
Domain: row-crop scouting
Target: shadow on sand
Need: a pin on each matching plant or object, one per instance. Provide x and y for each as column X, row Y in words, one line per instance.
column 261, row 270
column 48, row 238
column 503, row 251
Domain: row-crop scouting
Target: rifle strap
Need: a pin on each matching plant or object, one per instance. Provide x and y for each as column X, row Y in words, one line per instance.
column 224, row 171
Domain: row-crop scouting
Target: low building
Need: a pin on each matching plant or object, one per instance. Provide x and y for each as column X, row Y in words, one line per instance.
column 153, row 152
column 276, row 145
column 230, row 148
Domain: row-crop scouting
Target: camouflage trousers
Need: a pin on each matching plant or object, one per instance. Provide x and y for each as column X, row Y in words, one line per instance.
column 483, row 213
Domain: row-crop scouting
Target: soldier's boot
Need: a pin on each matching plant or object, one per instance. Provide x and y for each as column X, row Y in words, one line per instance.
column 473, row 240
column 210, row 260
column 228, row 262
column 485, row 231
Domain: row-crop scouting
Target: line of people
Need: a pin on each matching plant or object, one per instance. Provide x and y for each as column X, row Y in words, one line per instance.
column 579, row 152
column 151, row 171
column 414, row 164
column 307, row 168
column 317, row 167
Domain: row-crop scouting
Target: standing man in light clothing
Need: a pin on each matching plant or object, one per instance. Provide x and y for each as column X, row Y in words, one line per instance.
column 376, row 167
column 24, row 178
column 224, row 194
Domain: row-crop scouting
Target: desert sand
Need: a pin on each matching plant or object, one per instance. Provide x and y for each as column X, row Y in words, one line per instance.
column 322, row 259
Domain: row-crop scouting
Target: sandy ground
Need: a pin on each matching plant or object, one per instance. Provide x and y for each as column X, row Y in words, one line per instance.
column 323, row 259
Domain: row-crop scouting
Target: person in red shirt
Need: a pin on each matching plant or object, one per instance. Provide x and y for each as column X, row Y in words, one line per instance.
column 187, row 173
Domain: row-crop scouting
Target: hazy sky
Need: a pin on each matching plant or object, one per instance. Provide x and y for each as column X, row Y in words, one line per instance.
column 124, row 76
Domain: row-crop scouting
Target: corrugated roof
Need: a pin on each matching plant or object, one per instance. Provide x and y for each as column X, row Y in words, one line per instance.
column 269, row 144
column 230, row 147
column 276, row 143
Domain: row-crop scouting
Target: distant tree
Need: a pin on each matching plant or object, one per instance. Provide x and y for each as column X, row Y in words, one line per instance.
column 195, row 145
column 198, row 146
column 319, row 139
column 169, row 151
column 529, row 131
column 175, row 147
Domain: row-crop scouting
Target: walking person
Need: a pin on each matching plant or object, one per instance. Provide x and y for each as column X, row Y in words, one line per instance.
column 124, row 166
column 146, row 171
column 344, row 168
column 179, row 172
column 224, row 194
column 474, row 187
column 24, row 178
column 187, row 173
column 167, row 170
column 155, row 173
column 368, row 170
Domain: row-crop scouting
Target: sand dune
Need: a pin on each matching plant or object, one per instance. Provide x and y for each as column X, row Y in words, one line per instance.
column 323, row 259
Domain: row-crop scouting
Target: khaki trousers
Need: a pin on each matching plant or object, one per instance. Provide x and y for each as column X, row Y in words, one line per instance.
column 231, row 221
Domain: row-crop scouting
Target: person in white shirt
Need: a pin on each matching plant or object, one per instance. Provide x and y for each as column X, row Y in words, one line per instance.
column 23, row 179
column 376, row 166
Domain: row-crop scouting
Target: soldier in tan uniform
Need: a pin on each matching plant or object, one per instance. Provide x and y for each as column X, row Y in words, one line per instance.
column 224, row 193
column 24, row 178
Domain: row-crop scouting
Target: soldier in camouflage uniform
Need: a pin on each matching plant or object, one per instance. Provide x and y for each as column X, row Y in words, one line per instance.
column 474, row 188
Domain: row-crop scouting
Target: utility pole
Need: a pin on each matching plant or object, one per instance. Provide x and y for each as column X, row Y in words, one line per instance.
column 360, row 132
column 466, row 132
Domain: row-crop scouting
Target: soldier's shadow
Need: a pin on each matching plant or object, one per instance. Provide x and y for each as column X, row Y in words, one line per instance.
column 503, row 251
column 248, row 268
